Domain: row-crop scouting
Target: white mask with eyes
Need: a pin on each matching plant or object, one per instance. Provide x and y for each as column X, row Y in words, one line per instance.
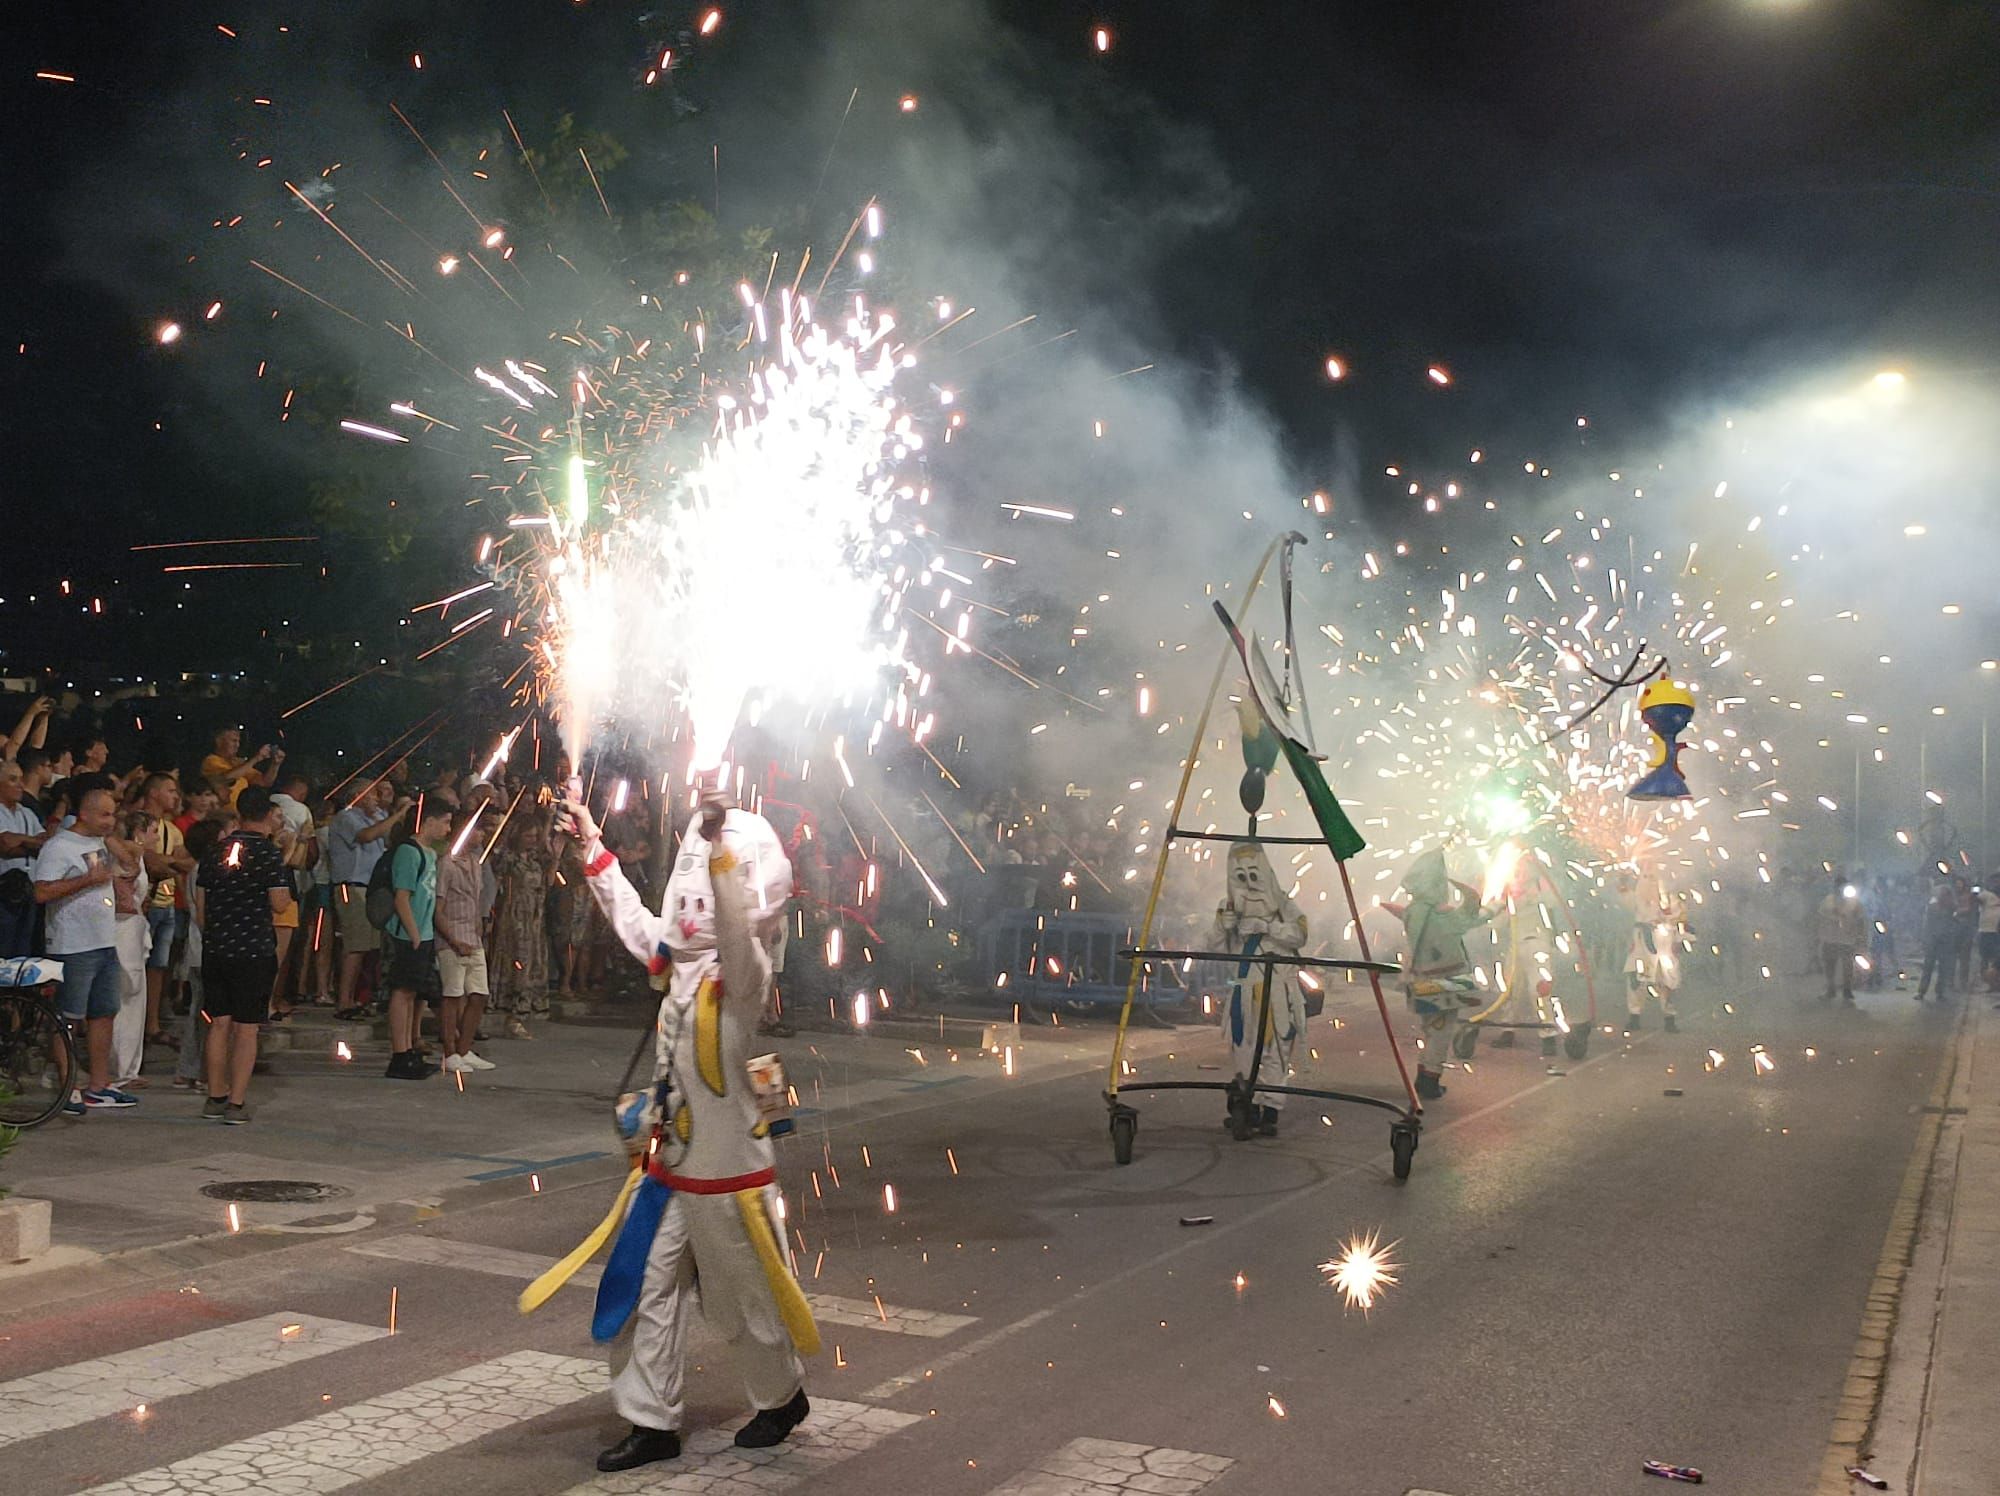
column 689, row 905
column 1253, row 886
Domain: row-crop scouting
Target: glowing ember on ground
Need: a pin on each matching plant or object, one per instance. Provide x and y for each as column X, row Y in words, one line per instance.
column 1363, row 1271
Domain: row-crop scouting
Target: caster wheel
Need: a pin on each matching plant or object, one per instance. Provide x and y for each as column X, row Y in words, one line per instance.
column 1465, row 1042
column 1124, row 1128
column 1402, row 1148
column 1576, row 1043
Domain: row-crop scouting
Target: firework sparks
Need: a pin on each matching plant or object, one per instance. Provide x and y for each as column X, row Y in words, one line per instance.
column 1363, row 1271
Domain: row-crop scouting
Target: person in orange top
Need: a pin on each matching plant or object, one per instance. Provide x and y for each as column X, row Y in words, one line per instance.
column 227, row 771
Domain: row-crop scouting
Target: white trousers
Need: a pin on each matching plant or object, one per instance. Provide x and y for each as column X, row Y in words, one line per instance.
column 702, row 1247
column 128, row 1030
column 1531, row 983
column 1241, row 1010
column 1652, row 969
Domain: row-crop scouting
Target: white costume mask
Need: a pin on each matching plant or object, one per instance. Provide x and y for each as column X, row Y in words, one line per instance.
column 688, row 909
column 1253, row 887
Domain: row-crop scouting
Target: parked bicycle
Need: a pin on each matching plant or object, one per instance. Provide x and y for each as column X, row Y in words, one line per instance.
column 38, row 1064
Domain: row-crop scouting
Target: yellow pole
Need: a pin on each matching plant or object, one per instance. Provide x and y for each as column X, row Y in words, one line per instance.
column 1174, row 819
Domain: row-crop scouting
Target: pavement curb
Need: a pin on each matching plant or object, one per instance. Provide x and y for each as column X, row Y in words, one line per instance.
column 1861, row 1394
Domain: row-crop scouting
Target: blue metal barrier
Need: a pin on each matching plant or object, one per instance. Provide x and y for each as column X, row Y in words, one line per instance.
column 1049, row 958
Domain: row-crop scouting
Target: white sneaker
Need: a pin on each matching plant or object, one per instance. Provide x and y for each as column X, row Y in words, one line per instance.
column 456, row 1065
column 471, row 1061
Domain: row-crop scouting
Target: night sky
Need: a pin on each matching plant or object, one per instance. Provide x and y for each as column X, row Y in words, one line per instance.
column 1619, row 209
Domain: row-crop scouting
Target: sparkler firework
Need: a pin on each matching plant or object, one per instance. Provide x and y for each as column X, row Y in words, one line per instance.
column 1363, row 1271
column 774, row 566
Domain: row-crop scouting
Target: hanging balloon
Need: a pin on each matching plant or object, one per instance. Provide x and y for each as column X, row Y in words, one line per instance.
column 1260, row 754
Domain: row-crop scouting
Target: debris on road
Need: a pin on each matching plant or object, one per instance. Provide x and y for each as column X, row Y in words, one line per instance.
column 1672, row 1472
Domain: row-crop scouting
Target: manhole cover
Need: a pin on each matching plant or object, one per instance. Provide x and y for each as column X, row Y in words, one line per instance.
column 276, row 1191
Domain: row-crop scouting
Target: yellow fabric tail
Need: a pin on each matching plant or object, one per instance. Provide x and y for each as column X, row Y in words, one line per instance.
column 792, row 1306
column 543, row 1288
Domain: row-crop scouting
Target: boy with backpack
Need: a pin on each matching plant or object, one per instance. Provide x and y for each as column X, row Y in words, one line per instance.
column 402, row 900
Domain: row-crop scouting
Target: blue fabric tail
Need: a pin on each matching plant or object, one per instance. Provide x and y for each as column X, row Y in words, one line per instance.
column 1236, row 998
column 625, row 1272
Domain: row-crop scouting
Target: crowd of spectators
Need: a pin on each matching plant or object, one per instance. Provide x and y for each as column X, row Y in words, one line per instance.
column 1873, row 930
column 192, row 909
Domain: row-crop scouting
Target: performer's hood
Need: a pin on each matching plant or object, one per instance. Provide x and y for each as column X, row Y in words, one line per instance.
column 1253, row 885
column 761, row 865
column 1427, row 879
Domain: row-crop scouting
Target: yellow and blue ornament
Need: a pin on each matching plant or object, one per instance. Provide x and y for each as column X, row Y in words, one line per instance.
column 1666, row 707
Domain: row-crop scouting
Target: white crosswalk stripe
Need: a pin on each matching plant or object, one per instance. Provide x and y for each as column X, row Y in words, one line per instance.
column 830, row 1310
column 72, row 1395
column 471, row 1256
column 365, row 1440
column 711, row 1465
column 1103, row 1467
column 501, row 1262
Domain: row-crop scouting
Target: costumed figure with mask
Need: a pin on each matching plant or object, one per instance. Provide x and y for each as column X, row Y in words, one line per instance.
column 1653, row 962
column 1257, row 917
column 1437, row 974
column 704, row 1213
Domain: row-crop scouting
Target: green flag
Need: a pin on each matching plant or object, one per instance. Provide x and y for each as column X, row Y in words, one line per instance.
column 1333, row 823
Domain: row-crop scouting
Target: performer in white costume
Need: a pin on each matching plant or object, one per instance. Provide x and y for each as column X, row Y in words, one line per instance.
column 1531, row 954
column 1653, row 963
column 711, row 944
column 1257, row 917
column 1437, row 971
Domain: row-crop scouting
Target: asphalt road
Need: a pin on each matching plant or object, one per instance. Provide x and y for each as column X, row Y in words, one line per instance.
column 1595, row 1273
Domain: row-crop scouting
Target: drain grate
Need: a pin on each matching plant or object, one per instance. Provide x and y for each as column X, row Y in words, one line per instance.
column 276, row 1191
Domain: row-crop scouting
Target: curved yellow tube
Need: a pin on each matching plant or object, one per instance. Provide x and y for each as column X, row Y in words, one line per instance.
column 792, row 1306
column 543, row 1288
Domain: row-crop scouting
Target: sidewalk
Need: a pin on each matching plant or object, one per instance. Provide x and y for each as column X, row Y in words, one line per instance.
column 1935, row 1433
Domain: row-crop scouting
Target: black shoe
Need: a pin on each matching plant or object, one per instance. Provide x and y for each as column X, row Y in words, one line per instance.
column 771, row 1425
column 409, row 1065
column 235, row 1115
column 213, row 1108
column 640, row 1447
column 1429, row 1083
column 1267, row 1121
column 1671, row 1026
column 1504, row 1039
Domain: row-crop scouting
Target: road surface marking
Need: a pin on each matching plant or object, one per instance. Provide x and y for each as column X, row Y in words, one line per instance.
column 85, row 1390
column 711, row 1464
column 472, row 1257
column 899, row 1321
column 890, row 1388
column 501, row 1262
column 366, row 1440
column 1101, row 1467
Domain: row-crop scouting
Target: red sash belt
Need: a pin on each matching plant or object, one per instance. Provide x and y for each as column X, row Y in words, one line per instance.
column 732, row 1185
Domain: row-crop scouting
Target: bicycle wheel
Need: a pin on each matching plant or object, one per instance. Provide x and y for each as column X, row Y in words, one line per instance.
column 37, row 1061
